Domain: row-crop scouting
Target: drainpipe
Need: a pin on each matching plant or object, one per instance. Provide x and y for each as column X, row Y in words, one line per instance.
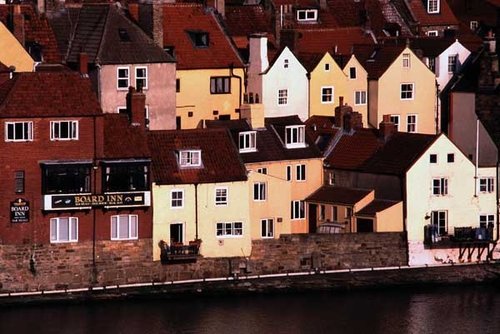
column 496, row 204
column 94, row 190
column 196, row 209
column 308, row 75
column 232, row 75
column 477, row 158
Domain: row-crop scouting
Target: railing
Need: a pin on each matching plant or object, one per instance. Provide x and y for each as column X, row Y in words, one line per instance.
column 178, row 252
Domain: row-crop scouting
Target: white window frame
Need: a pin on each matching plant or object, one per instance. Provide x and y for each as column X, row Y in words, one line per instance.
column 286, row 63
column 473, row 25
column 132, row 222
column 487, row 219
column 282, row 97
column 406, row 60
column 259, row 191
column 55, row 223
column 262, row 170
column 142, row 78
column 176, row 203
column 55, row 133
column 432, row 33
column 190, row 158
column 440, row 186
column 27, row 131
column 298, row 210
column 300, row 172
column 409, row 93
column 327, row 98
column 396, row 119
column 235, row 229
column 221, row 196
column 327, row 67
column 452, row 63
column 442, row 221
column 247, row 141
column 411, row 123
column 125, row 79
column 267, row 228
column 295, row 136
column 360, row 97
column 486, row 185
column 309, row 15
column 433, row 6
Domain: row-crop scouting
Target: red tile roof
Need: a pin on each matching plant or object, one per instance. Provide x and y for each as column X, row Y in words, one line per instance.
column 219, row 156
column 338, row 195
column 248, row 19
column 179, row 20
column 36, row 29
column 123, row 140
column 350, row 13
column 376, row 59
column 445, row 16
column 37, row 94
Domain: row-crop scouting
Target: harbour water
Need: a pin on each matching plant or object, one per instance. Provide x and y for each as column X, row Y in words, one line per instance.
column 469, row 309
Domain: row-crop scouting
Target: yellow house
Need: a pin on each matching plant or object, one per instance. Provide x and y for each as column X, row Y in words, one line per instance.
column 210, row 72
column 357, row 87
column 13, row 53
column 399, row 85
column 200, row 196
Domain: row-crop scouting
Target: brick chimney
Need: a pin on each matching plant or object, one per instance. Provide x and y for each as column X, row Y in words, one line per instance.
column 18, row 24
column 387, row 128
column 258, row 53
column 136, row 107
column 344, row 116
column 219, row 5
column 133, row 10
column 158, row 24
column 83, row 62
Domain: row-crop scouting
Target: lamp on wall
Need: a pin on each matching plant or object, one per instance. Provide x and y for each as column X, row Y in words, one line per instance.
column 427, row 217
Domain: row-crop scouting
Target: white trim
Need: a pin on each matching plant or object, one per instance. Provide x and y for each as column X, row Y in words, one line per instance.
column 233, row 230
column 432, row 33
column 323, row 94
column 115, row 219
column 307, row 17
column 408, row 91
column 73, row 128
column 118, row 78
column 431, row 4
column 55, row 223
column 297, row 169
column 267, row 228
column 226, row 203
column 188, row 159
column 408, row 123
column 145, row 87
column 29, row 133
column 250, row 141
column 177, row 190
column 282, row 94
column 261, row 196
column 301, row 133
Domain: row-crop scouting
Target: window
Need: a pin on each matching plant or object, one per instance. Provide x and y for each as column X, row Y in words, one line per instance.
column 411, row 123
column 295, row 136
column 451, row 157
column 259, row 191
column 322, row 212
column 285, row 63
column 141, row 78
column 177, row 198
column 64, row 229
column 407, row 91
column 66, row 178
column 440, row 220
column 307, row 14
column 177, row 85
column 228, row 229
column 221, row 196
column 64, row 130
column 300, row 172
column 282, row 97
column 298, row 210
column 335, row 213
column 19, row 181
column 331, row 178
column 220, row 85
column 432, row 64
column 360, row 97
column 124, row 227
column 432, row 33
column 326, row 94
column 18, row 131
column 440, row 186
column 200, row 39
column 474, row 25
column 267, row 228
column 123, row 78
column 126, row 176
column 262, row 170
column 247, row 141
column 452, row 63
column 487, row 184
column 486, row 220
column 395, row 120
column 288, row 173
column 433, row 158
column 432, row 6
column 406, row 60
column 327, row 67
column 190, row 158
column 352, row 72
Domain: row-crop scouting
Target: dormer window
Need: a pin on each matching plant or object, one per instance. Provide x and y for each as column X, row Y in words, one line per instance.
column 295, row 136
column 247, row 141
column 406, row 60
column 307, row 15
column 433, row 6
column 190, row 158
column 199, row 38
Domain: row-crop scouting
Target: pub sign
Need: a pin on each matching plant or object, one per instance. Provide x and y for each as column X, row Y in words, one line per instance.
column 19, row 211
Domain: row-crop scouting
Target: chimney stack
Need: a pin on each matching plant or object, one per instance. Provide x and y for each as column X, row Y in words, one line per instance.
column 387, row 128
column 136, row 107
column 258, row 53
column 83, row 62
column 343, row 116
column 133, row 10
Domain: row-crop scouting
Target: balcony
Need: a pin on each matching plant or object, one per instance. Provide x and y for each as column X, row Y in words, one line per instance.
column 179, row 253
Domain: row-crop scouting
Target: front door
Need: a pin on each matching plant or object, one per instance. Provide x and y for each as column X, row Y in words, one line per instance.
column 176, row 233
column 313, row 217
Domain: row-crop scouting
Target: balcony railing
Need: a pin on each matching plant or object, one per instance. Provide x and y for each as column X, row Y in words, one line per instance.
column 179, row 253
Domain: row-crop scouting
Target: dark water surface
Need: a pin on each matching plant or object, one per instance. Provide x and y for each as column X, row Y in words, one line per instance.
column 447, row 310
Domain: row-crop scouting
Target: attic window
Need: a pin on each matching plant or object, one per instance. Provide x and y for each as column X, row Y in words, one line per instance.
column 433, row 6
column 199, row 38
column 35, row 51
column 190, row 158
column 124, row 36
column 474, row 25
column 295, row 136
column 307, row 15
column 247, row 141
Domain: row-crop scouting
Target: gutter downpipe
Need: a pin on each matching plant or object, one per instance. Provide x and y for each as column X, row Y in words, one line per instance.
column 496, row 204
column 308, row 76
column 232, row 75
column 196, row 210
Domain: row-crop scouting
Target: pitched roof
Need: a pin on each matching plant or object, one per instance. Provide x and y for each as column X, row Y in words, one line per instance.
column 56, row 94
column 132, row 139
column 36, row 30
column 220, row 159
column 109, row 37
column 338, row 195
column 375, row 206
column 183, row 23
column 350, row 13
column 247, row 19
column 376, row 59
column 443, row 18
column 321, row 130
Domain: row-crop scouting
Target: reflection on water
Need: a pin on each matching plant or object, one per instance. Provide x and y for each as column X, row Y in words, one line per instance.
column 437, row 310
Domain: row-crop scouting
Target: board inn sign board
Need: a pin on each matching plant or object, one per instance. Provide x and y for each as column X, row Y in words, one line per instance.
column 19, row 211
column 81, row 201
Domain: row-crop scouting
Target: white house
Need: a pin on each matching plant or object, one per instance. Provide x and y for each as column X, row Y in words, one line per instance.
column 282, row 85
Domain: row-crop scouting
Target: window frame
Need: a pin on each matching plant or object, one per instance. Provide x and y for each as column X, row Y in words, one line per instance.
column 130, row 227
column 72, row 229
column 186, row 158
column 298, row 210
column 407, row 94
column 432, row 33
column 216, row 89
column 433, row 6
column 247, row 141
column 27, row 131
column 327, row 98
column 406, row 60
column 282, row 97
column 352, row 72
column 259, row 191
column 300, row 173
column 142, row 78
column 295, row 136
column 73, row 130
column 177, row 202
column 358, row 98
column 232, row 227
column 452, row 63
column 62, row 178
column 126, row 78
column 396, row 119
column 442, row 229
column 307, row 17
column 486, row 184
column 411, row 125
column 440, row 186
column 136, row 175
column 267, row 226
column 288, row 172
column 221, row 199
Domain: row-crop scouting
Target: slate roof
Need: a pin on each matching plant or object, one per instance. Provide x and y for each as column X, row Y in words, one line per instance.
column 219, row 156
column 53, row 94
column 123, row 140
column 109, row 37
column 36, row 29
column 338, row 195
column 443, row 18
column 179, row 20
column 376, row 59
column 375, row 206
column 321, row 130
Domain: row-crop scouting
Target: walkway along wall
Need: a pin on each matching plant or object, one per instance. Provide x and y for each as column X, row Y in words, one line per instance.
column 71, row 266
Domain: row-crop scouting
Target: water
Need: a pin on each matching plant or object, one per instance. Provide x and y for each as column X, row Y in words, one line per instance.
column 450, row 310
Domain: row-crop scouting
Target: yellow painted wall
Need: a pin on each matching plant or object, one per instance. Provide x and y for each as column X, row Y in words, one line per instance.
column 357, row 84
column 194, row 96
column 391, row 219
column 12, row 52
column 320, row 77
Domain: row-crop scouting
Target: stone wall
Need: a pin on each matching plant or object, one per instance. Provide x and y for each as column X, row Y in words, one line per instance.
column 71, row 265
